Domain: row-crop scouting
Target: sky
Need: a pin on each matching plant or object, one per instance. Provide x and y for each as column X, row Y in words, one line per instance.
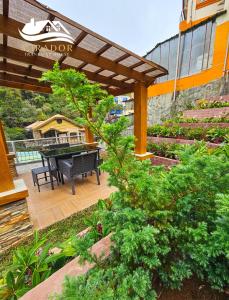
column 137, row 25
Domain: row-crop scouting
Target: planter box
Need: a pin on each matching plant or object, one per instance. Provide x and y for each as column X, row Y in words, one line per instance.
column 54, row 283
column 159, row 140
column 206, row 113
column 204, row 125
column 159, row 160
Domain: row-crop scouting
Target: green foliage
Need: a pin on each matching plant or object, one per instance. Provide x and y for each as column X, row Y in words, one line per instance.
column 216, row 135
column 15, row 133
column 20, row 108
column 167, row 150
column 31, row 265
column 164, row 225
column 215, row 104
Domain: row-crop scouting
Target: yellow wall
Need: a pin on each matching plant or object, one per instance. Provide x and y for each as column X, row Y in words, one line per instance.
column 215, row 72
column 65, row 126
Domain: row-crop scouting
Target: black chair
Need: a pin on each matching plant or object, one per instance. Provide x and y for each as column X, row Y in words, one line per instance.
column 43, row 170
column 54, row 161
column 79, row 165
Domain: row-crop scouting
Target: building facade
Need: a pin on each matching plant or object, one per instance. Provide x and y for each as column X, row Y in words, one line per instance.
column 56, row 126
column 196, row 58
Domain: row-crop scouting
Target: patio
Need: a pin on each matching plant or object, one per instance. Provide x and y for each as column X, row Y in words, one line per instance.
column 50, row 206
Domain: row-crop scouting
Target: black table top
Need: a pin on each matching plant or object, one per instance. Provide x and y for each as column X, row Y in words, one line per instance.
column 67, row 151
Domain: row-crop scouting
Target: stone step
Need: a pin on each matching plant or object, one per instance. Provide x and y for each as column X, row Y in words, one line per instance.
column 207, row 113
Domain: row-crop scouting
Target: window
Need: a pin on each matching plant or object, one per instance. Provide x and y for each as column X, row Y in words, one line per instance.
column 196, row 52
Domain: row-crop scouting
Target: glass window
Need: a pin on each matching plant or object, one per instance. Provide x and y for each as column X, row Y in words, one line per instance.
column 172, row 58
column 185, row 54
column 207, row 45
column 197, row 51
column 211, row 51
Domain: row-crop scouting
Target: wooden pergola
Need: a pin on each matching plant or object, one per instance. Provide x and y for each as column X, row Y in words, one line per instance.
column 117, row 69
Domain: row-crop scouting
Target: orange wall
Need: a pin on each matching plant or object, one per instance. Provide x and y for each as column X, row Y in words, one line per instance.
column 215, row 72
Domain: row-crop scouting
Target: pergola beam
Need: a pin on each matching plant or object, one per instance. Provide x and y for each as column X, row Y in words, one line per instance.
column 46, row 63
column 23, row 86
column 15, row 81
column 10, row 27
column 26, row 80
column 20, row 70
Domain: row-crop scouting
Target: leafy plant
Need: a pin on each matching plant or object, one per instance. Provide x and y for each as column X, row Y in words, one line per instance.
column 31, row 265
column 164, row 224
column 216, row 135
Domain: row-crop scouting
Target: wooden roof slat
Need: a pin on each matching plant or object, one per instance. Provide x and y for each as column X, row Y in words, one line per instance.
column 103, row 49
column 124, row 56
column 96, row 53
column 10, row 27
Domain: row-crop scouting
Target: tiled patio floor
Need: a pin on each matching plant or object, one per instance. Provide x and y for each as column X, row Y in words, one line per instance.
column 50, row 206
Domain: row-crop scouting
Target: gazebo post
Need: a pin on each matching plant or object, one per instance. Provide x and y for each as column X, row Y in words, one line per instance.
column 89, row 137
column 6, row 180
column 140, row 121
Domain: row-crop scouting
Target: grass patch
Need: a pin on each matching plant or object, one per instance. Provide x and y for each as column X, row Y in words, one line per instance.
column 58, row 233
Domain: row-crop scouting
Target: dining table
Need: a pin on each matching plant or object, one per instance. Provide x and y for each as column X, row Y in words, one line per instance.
column 64, row 153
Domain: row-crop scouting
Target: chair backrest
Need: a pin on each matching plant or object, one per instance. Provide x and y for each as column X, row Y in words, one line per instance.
column 58, row 146
column 85, row 162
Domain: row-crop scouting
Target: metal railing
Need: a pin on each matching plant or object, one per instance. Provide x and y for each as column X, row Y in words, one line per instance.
column 128, row 131
column 28, row 150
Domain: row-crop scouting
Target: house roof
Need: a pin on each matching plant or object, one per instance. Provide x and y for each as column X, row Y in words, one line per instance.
column 103, row 61
column 39, row 124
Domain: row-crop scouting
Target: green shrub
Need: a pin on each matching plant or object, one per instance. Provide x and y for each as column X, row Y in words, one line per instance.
column 15, row 133
column 217, row 135
column 164, row 225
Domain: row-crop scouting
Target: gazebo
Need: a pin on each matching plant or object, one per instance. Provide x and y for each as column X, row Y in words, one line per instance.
column 117, row 69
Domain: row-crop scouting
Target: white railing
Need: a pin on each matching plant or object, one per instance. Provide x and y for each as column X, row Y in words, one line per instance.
column 28, row 150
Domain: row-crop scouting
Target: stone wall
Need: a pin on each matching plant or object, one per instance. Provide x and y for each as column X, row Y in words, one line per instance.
column 15, row 224
column 163, row 107
column 11, row 160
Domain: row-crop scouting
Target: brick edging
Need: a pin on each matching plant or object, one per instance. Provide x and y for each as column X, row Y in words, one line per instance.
column 160, row 160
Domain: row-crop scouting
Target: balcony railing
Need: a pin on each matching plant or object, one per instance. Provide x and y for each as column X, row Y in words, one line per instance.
column 28, row 150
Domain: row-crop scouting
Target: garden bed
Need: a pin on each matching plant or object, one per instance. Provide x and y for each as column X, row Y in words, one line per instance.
column 157, row 139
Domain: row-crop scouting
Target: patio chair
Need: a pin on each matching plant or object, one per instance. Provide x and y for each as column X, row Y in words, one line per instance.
column 43, row 170
column 53, row 161
column 79, row 165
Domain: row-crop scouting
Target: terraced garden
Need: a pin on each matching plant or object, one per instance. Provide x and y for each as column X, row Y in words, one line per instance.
column 208, row 121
